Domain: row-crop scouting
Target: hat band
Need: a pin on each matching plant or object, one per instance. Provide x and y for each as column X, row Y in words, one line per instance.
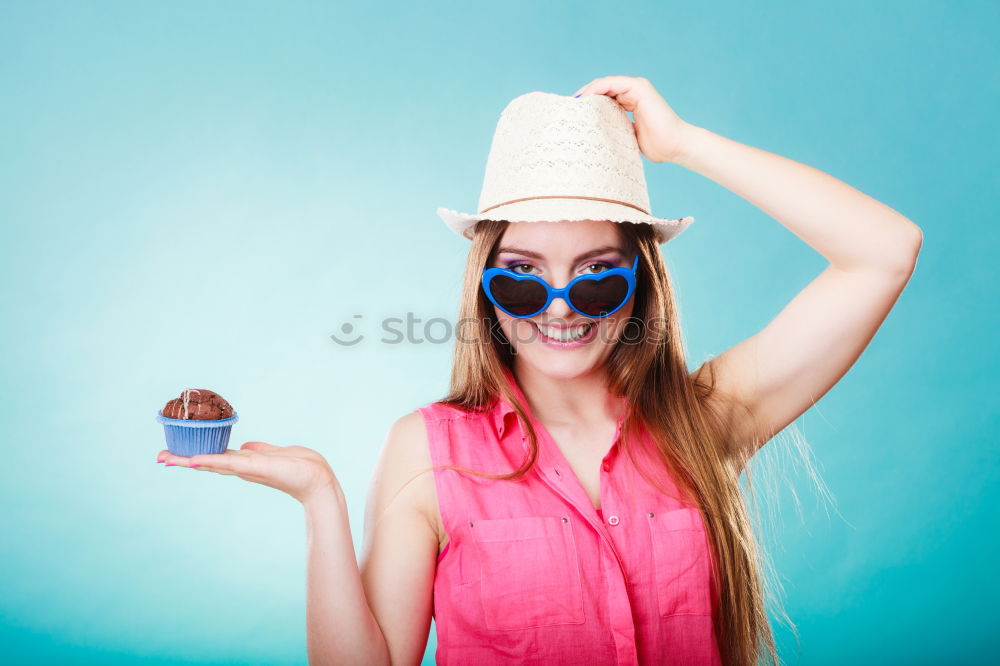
column 567, row 196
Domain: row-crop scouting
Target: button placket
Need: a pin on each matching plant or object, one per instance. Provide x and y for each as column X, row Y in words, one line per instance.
column 555, row 478
column 622, row 627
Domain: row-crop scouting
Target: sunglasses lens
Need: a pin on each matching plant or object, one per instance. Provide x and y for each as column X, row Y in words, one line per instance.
column 519, row 297
column 596, row 298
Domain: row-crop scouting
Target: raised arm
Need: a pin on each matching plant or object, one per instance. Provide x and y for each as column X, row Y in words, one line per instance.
column 790, row 364
column 872, row 249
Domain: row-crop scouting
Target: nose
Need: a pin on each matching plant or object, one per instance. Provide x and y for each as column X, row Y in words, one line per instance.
column 559, row 309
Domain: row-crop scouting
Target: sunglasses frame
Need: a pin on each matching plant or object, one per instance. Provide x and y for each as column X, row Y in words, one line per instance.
column 563, row 293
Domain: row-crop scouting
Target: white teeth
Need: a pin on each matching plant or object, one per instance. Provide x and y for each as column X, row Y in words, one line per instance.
column 565, row 334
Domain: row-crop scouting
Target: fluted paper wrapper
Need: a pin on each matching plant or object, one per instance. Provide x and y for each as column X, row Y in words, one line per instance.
column 192, row 437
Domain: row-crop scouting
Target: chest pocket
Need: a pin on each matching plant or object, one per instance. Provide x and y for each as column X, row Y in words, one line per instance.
column 530, row 572
column 681, row 562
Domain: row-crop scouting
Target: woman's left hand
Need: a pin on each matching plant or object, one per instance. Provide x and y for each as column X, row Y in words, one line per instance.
column 659, row 131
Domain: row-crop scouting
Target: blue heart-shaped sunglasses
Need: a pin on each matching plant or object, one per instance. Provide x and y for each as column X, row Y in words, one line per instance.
column 596, row 295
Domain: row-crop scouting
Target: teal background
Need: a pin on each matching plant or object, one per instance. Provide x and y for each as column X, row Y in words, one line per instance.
column 199, row 194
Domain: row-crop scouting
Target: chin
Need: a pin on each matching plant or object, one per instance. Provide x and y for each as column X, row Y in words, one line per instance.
column 556, row 367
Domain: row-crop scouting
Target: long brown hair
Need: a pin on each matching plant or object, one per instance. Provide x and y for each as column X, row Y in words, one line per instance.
column 685, row 414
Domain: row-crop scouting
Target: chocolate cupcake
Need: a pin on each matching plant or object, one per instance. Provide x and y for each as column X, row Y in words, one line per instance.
column 199, row 421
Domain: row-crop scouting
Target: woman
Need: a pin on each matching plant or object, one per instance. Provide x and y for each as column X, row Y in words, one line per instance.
column 584, row 503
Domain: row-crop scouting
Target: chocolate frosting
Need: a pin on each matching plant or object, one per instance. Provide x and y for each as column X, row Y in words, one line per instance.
column 198, row 404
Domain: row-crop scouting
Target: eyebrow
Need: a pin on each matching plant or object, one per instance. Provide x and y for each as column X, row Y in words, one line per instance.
column 585, row 255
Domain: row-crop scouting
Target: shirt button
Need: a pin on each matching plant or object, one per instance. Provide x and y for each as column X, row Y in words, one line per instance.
column 613, row 520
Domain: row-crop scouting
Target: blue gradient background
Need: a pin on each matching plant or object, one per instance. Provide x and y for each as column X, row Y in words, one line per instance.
column 199, row 194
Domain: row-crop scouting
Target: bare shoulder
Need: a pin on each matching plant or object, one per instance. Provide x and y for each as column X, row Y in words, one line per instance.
column 408, row 438
column 405, row 462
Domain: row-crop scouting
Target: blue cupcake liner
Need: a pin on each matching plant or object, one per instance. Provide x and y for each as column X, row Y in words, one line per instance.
column 191, row 437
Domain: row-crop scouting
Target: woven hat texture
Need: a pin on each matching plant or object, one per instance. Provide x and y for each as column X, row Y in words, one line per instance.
column 556, row 157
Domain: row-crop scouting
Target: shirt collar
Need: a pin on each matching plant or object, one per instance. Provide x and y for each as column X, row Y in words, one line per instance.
column 503, row 412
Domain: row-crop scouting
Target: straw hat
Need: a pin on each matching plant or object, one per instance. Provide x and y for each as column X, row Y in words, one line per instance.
column 555, row 158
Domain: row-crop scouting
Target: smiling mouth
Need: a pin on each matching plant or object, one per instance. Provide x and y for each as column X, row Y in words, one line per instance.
column 564, row 336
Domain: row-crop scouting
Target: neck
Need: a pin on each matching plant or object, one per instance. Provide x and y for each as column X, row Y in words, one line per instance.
column 559, row 402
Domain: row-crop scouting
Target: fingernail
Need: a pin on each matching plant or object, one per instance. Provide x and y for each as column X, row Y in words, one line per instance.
column 170, row 464
column 195, row 465
column 575, row 96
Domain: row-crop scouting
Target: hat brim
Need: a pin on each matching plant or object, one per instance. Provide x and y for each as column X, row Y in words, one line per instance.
column 549, row 210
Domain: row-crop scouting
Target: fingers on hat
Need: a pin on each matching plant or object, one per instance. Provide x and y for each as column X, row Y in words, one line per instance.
column 606, row 85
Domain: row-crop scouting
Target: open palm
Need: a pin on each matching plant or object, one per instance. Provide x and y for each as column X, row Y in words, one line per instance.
column 295, row 470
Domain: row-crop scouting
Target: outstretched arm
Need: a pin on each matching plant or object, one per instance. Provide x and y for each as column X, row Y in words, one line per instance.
column 790, row 364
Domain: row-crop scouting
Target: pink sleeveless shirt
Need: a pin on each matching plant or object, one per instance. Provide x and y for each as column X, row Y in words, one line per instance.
column 533, row 574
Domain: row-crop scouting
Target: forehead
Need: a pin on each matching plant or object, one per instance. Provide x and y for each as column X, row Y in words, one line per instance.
column 566, row 237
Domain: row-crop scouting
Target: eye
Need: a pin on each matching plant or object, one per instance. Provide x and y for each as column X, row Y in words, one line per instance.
column 601, row 266
column 514, row 265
